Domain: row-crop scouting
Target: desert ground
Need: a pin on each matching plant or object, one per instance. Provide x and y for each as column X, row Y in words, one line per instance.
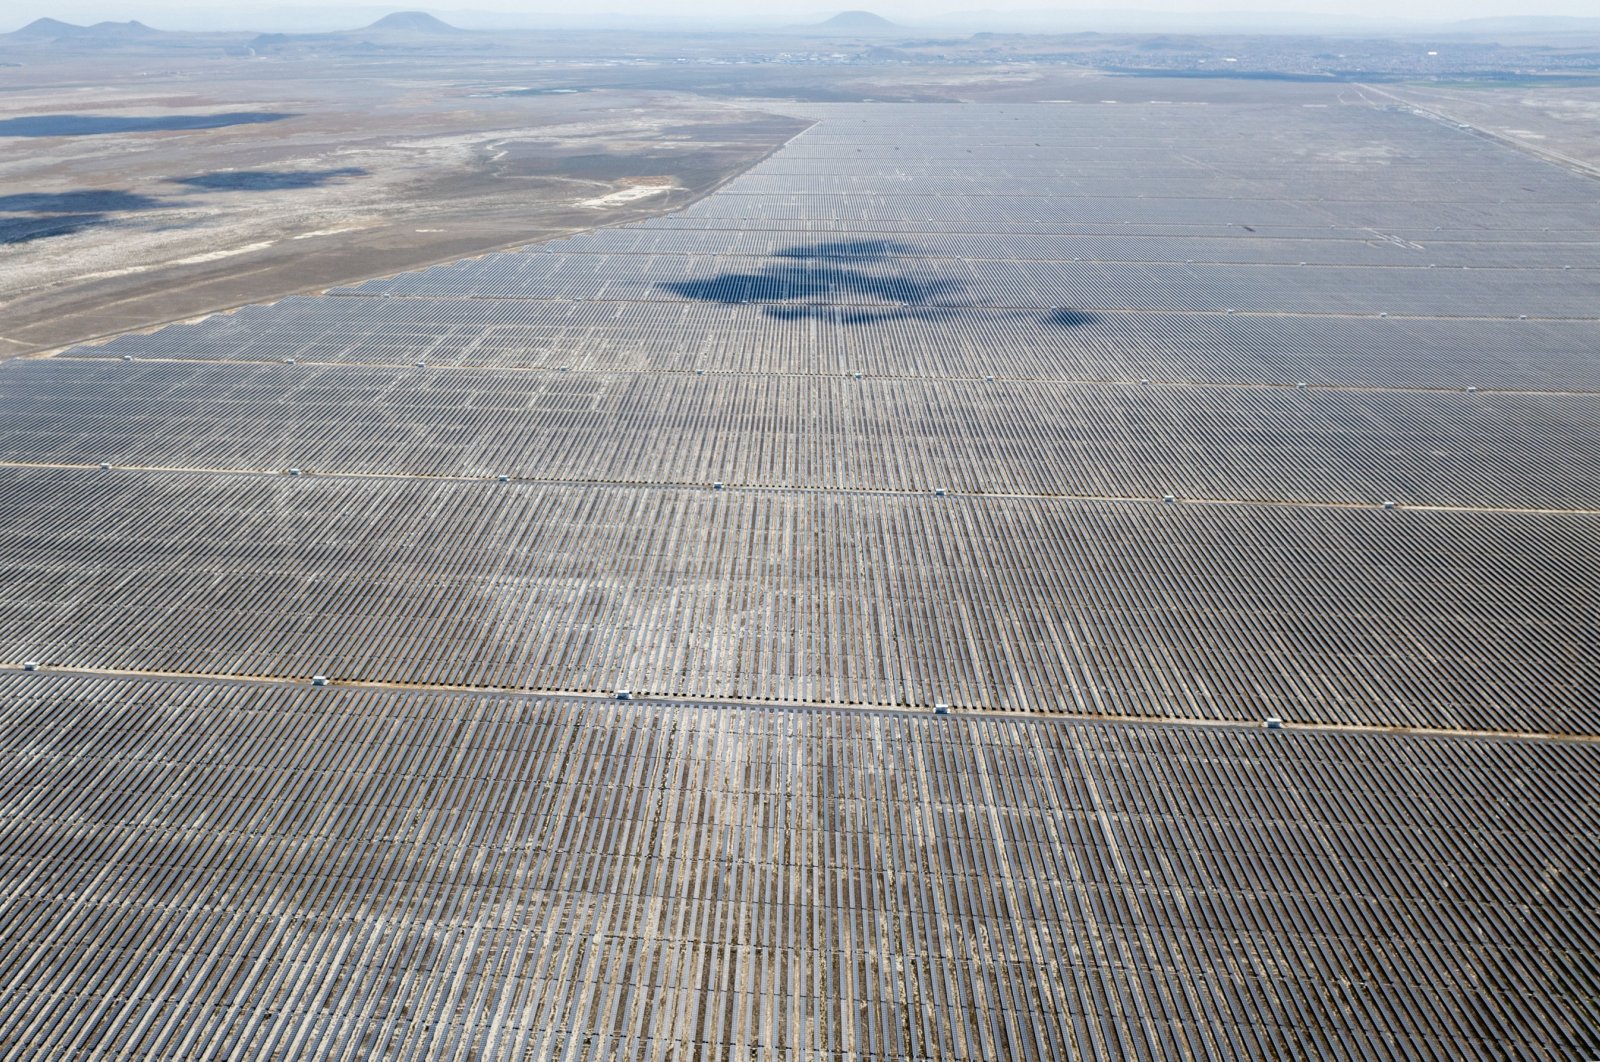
column 159, row 195
column 1557, row 122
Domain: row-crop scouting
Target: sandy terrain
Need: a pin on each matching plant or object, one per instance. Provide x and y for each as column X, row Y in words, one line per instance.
column 297, row 180
column 1558, row 123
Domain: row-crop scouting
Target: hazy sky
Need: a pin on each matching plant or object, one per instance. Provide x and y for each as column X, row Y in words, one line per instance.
column 246, row 14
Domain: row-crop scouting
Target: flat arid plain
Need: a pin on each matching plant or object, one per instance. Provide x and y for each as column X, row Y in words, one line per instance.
column 301, row 175
column 798, row 547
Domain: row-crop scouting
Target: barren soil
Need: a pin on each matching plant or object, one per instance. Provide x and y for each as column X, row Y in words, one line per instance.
column 1558, row 123
column 174, row 193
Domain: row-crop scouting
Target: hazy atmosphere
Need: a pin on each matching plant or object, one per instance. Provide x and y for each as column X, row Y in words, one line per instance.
column 1185, row 15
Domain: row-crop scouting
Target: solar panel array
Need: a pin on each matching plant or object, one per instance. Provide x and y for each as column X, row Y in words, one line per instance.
column 438, row 875
column 1329, row 614
column 1335, row 446
column 1118, row 429
column 1277, row 349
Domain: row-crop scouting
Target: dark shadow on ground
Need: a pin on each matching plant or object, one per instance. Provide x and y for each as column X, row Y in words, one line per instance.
column 63, row 213
column 779, row 284
column 266, row 180
column 831, row 269
column 828, row 280
column 869, row 249
column 93, row 199
column 97, row 124
column 1071, row 318
column 26, row 230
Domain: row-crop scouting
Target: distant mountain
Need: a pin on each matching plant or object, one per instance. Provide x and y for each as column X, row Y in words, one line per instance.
column 403, row 31
column 411, row 22
column 857, row 22
column 50, row 29
column 46, row 29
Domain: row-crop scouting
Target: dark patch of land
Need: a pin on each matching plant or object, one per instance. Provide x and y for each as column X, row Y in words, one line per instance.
column 267, row 180
column 103, row 124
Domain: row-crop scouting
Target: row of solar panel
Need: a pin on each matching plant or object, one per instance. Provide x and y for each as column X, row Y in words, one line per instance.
column 256, row 870
column 1481, row 621
column 1506, row 450
column 1416, row 291
column 1238, row 248
column 927, row 342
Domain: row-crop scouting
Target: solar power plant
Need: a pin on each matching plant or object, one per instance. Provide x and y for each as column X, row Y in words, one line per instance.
column 993, row 581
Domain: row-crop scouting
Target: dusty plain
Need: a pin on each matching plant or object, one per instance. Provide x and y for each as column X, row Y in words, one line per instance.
column 1560, row 122
column 316, row 176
